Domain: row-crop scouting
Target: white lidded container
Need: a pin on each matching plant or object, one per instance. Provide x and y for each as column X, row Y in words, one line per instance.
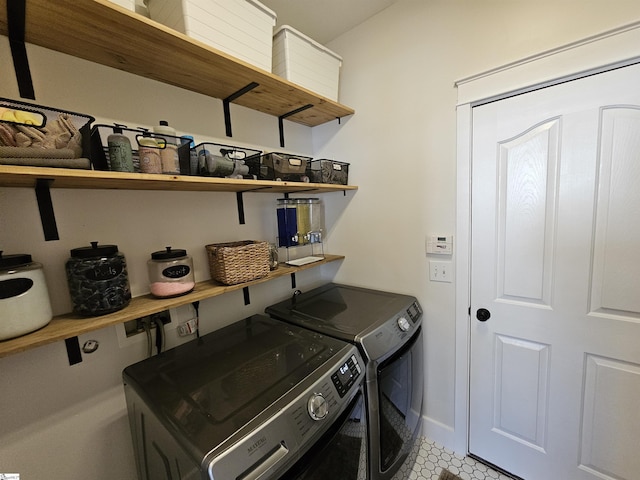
column 170, row 273
column 241, row 28
column 304, row 61
column 24, row 298
column 128, row 4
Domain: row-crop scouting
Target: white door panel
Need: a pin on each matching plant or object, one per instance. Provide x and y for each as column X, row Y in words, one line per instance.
column 616, row 275
column 555, row 383
column 527, row 176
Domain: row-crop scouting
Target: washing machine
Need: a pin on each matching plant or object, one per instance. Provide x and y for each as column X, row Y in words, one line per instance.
column 257, row 400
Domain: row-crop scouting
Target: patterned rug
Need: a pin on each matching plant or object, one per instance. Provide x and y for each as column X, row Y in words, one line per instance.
column 447, row 475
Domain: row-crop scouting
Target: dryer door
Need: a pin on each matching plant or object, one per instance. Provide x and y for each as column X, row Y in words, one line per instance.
column 399, row 396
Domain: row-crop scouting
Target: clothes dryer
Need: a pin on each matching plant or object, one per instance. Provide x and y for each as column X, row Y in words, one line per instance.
column 387, row 329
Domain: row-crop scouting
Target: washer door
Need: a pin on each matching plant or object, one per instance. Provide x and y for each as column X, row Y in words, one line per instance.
column 341, row 453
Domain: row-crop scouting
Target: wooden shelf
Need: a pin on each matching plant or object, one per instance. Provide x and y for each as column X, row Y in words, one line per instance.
column 105, row 33
column 70, row 325
column 18, row 176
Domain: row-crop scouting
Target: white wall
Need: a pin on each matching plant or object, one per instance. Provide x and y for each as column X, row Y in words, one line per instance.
column 398, row 74
column 58, row 421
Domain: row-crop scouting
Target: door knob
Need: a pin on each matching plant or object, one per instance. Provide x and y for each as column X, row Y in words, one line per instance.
column 483, row 314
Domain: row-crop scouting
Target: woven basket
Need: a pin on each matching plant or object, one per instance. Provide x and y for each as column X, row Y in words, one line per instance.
column 238, row 262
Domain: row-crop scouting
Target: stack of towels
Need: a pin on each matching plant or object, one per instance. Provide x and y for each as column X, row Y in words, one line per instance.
column 24, row 140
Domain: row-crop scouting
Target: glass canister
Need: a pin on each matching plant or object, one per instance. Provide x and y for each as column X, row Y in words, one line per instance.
column 170, row 273
column 310, row 220
column 273, row 256
column 98, row 280
column 24, row 299
column 287, row 223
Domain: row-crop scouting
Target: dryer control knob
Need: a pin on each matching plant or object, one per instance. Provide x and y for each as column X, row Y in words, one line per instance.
column 404, row 324
column 317, row 406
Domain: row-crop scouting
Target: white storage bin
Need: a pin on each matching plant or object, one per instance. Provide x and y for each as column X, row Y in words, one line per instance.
column 304, row 61
column 128, row 4
column 241, row 28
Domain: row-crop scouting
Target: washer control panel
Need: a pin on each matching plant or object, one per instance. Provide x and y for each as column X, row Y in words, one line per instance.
column 317, row 406
column 345, row 376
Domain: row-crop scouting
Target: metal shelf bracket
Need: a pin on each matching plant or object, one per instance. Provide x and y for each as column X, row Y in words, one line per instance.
column 227, row 101
column 45, row 206
column 240, row 202
column 282, row 117
column 73, row 350
column 16, row 12
column 245, row 292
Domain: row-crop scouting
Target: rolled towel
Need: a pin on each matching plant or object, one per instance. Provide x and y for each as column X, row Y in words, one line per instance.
column 27, row 152
column 82, row 163
column 59, row 133
column 7, row 135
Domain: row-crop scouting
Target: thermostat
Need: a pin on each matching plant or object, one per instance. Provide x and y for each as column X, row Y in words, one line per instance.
column 440, row 244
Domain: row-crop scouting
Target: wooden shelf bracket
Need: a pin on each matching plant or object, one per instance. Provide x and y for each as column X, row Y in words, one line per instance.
column 227, row 101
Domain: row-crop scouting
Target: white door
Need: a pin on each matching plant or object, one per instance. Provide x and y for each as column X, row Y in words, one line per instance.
column 555, row 369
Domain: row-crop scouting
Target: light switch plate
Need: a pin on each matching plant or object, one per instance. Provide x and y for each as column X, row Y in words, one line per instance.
column 440, row 271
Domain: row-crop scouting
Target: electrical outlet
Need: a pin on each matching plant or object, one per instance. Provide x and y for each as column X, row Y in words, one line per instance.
column 440, row 271
column 134, row 327
column 188, row 328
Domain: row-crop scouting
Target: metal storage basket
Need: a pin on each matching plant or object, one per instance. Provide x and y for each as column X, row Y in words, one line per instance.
column 279, row 166
column 218, row 160
column 328, row 171
column 100, row 150
column 40, row 136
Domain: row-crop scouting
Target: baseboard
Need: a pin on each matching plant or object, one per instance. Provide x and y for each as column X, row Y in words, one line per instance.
column 440, row 433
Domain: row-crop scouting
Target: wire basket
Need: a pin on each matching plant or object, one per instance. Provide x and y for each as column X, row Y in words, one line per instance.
column 278, row 166
column 328, row 171
column 34, row 135
column 238, row 262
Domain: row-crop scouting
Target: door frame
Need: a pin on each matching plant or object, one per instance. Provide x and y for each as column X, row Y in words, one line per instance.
column 599, row 53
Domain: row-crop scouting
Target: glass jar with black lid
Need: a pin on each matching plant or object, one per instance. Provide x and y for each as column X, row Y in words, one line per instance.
column 98, row 280
column 170, row 273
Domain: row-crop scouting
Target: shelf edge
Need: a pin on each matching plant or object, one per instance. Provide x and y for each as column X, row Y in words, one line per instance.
column 70, row 325
column 21, row 176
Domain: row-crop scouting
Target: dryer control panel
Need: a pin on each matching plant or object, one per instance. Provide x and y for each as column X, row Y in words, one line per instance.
column 392, row 334
column 345, row 376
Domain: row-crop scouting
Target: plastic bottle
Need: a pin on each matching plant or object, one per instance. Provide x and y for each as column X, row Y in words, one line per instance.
column 120, row 153
column 169, row 154
column 149, row 153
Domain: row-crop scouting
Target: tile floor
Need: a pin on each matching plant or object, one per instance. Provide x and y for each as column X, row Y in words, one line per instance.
column 428, row 459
